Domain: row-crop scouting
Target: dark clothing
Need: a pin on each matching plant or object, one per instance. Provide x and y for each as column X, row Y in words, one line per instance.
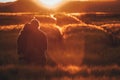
column 23, row 39
column 32, row 46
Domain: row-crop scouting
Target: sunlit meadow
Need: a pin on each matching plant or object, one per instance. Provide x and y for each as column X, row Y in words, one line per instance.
column 83, row 47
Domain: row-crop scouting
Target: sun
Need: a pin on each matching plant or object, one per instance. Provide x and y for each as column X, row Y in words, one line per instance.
column 50, row 3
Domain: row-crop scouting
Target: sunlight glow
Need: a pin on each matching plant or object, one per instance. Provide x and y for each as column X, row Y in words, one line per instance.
column 50, row 3
column 71, row 69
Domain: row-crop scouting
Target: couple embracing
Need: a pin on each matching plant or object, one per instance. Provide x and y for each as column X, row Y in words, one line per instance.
column 32, row 44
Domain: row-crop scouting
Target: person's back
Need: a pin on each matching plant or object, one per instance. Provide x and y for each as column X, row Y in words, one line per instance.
column 36, row 45
column 22, row 41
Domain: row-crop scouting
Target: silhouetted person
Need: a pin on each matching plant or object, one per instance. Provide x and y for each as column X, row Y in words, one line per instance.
column 32, row 44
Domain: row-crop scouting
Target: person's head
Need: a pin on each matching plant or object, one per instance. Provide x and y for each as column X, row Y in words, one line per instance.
column 35, row 23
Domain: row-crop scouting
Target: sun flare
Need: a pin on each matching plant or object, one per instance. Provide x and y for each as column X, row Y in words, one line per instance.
column 50, row 3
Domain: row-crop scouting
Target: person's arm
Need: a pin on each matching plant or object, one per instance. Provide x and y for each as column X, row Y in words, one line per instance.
column 46, row 42
column 19, row 47
column 20, row 43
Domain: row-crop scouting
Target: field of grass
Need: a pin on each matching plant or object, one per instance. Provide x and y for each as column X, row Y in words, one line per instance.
column 106, row 68
column 27, row 72
column 82, row 52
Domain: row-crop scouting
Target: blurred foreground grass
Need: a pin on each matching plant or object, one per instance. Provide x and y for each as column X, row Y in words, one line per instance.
column 8, row 47
column 10, row 69
column 27, row 72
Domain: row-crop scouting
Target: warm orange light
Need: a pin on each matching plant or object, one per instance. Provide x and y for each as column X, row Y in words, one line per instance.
column 50, row 3
column 98, row 0
column 71, row 68
column 93, row 0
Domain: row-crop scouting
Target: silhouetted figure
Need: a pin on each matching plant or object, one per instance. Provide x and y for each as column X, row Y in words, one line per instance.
column 32, row 44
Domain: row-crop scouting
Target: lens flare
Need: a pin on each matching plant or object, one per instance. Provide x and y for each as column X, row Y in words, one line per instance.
column 50, row 3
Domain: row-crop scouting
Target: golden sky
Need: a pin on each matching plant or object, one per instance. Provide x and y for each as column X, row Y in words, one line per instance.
column 57, row 0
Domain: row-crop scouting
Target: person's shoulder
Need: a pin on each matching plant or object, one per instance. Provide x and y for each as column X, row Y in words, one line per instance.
column 25, row 29
column 26, row 26
column 42, row 32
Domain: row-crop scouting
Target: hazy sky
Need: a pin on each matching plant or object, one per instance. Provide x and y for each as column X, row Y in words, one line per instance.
column 63, row 0
column 81, row 5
